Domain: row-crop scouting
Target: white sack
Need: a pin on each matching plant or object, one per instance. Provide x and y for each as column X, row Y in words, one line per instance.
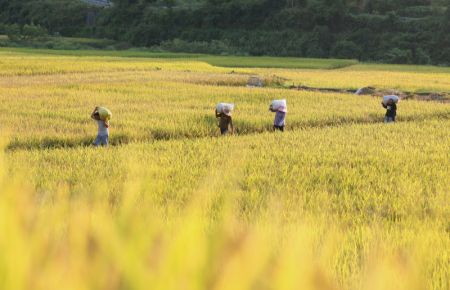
column 391, row 97
column 279, row 105
column 220, row 107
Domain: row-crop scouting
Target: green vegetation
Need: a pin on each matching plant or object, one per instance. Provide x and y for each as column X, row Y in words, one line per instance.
column 222, row 61
column 400, row 68
column 277, row 62
column 395, row 31
column 101, row 53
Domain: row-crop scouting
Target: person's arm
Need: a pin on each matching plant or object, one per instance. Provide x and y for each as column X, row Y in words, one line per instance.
column 93, row 113
column 217, row 114
column 384, row 105
column 106, row 123
column 231, row 125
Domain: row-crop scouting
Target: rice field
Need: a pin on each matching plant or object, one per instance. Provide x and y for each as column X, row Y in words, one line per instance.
column 339, row 201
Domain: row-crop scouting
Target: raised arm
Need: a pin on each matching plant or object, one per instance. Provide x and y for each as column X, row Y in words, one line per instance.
column 93, row 113
column 217, row 114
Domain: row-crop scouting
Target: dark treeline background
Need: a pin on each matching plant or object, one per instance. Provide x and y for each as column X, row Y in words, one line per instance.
column 393, row 31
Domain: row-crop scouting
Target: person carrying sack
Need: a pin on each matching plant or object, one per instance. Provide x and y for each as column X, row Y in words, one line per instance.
column 389, row 103
column 101, row 116
column 279, row 107
column 223, row 113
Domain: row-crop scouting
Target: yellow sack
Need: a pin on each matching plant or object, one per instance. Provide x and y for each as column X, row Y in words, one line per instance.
column 104, row 113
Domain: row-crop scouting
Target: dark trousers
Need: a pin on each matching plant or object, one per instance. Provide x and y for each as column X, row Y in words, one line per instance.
column 389, row 119
column 281, row 128
column 223, row 131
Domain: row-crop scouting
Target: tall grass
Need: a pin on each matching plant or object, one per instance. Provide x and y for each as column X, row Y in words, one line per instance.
column 362, row 207
column 340, row 201
column 164, row 104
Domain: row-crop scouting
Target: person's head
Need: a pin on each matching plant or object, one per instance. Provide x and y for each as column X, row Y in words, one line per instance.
column 97, row 116
column 227, row 111
column 390, row 102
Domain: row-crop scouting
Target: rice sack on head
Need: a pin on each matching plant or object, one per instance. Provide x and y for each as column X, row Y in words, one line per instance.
column 225, row 108
column 390, row 97
column 104, row 113
column 278, row 105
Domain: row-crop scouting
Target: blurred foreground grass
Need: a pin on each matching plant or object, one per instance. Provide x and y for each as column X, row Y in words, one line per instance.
column 355, row 207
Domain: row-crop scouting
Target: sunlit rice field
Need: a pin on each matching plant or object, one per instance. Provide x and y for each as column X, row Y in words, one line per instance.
column 339, row 201
column 414, row 79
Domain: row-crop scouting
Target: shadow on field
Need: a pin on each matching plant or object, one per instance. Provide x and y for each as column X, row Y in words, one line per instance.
column 56, row 143
column 242, row 128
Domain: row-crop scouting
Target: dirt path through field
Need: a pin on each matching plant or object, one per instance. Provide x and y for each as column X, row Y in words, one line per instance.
column 427, row 96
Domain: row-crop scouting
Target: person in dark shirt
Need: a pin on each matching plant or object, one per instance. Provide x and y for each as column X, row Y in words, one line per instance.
column 391, row 111
column 225, row 121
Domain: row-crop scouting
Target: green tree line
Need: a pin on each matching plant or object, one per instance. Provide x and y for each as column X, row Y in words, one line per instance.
column 393, row 31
